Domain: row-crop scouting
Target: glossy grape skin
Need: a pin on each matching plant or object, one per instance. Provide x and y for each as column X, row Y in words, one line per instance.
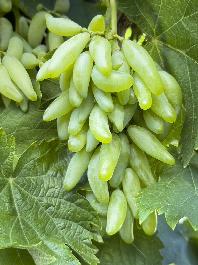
column 29, row 60
column 117, row 116
column 15, row 47
column 126, row 231
column 100, row 208
column 153, row 122
column 6, row 31
column 97, row 24
column 65, row 78
column 103, row 99
column 77, row 142
column 23, row 27
column 91, row 142
column 54, row 41
column 62, row 127
column 149, row 226
column 74, row 98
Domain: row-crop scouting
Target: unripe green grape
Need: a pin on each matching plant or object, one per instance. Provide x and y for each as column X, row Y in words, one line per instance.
column 142, row 63
column 6, row 31
column 67, row 53
column 20, row 76
column 65, row 79
column 100, row 208
column 163, row 108
column 116, row 212
column 40, row 50
column 109, row 155
column 129, row 111
column 78, row 141
column 24, row 105
column 131, row 188
column 153, row 122
column 117, row 59
column 123, row 161
column 117, row 116
column 26, row 45
column 100, row 50
column 81, row 77
column 5, row 6
column 99, row 126
column 43, row 72
column 37, row 29
column 97, row 24
column 115, row 82
column 62, row 26
column 54, row 41
column 62, row 127
column 59, row 107
column 103, row 99
column 91, row 142
column 99, row 187
column 126, row 231
column 124, row 96
column 148, row 143
column 29, row 60
column 15, row 47
column 62, row 6
column 74, row 97
column 23, row 27
column 76, row 168
column 132, row 98
column 149, row 225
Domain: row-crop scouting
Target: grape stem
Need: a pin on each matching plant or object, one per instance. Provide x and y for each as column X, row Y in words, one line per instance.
column 113, row 7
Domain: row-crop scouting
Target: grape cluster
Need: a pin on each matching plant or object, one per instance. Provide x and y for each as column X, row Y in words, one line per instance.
column 114, row 106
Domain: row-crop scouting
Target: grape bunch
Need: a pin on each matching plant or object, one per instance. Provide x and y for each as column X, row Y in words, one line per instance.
column 115, row 105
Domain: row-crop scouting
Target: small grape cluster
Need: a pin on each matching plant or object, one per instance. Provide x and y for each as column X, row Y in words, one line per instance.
column 115, row 104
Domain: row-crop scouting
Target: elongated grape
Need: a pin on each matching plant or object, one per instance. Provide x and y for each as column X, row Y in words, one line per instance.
column 54, row 41
column 163, row 108
column 100, row 208
column 80, row 115
column 103, row 99
column 109, row 155
column 99, row 126
column 62, row 6
column 139, row 162
column 97, row 24
column 132, row 98
column 67, row 53
column 76, row 168
column 6, row 31
column 7, row 87
column 117, row 59
column 100, row 50
column 20, row 76
column 59, row 107
column 24, row 105
column 147, row 142
column 117, row 116
column 142, row 63
column 29, row 60
column 78, row 141
column 99, row 187
column 115, row 82
column 129, row 111
column 40, row 50
column 131, row 187
column 91, row 142
column 116, row 212
column 81, row 77
column 23, row 27
column 26, row 45
column 74, row 97
column 5, row 6
column 123, row 161
column 43, row 72
column 37, row 29
column 153, row 122
column 62, row 127
column 15, row 47
column 149, row 226
column 65, row 79
column 126, row 231
column 124, row 96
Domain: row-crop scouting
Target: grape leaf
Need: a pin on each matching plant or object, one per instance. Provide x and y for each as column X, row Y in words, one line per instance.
column 175, row 195
column 13, row 256
column 171, row 28
column 35, row 211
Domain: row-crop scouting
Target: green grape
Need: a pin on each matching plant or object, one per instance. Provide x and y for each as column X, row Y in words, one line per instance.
column 78, row 141
column 97, row 24
column 142, row 93
column 74, row 97
column 5, row 6
column 109, row 155
column 67, row 53
column 99, row 187
column 132, row 98
column 65, row 79
column 7, row 87
column 123, row 161
column 99, row 126
column 26, row 45
column 131, row 187
column 76, row 168
column 148, row 143
column 142, row 63
column 37, row 29
column 117, row 59
column 43, row 72
column 59, row 107
column 153, row 122
column 100, row 50
column 81, row 77
column 116, row 212
column 129, row 111
column 80, row 115
column 40, row 50
column 149, row 225
column 29, row 60
column 172, row 90
column 62, row 6
column 62, row 127
column 23, row 27
column 6, row 31
column 163, row 108
column 54, row 41
column 91, row 142
column 124, row 96
column 126, row 231
column 19, row 76
column 24, row 105
column 62, row 26
column 100, row 208
column 117, row 116
column 15, row 47
column 139, row 162
column 103, row 99
column 115, row 82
